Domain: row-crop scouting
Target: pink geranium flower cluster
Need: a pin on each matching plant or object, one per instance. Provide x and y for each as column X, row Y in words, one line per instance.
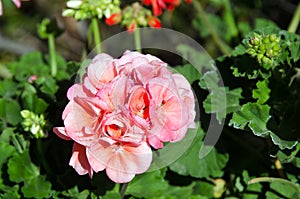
column 123, row 108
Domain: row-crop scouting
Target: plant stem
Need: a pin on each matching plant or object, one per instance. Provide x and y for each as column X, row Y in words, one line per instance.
column 123, row 190
column 270, row 179
column 137, row 40
column 229, row 19
column 52, row 55
column 278, row 167
column 223, row 46
column 96, row 32
column 295, row 20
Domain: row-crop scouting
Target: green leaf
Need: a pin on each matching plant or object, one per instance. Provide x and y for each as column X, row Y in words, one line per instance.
column 189, row 72
column 37, row 188
column 178, row 192
column 74, row 193
column 214, row 103
column 204, row 188
column 262, row 23
column 262, row 93
column 6, row 151
column 10, row 111
column 253, row 115
column 239, row 50
column 48, row 86
column 8, row 88
column 157, row 187
column 11, row 192
column 279, row 187
column 283, row 144
column 113, row 194
column 198, row 58
column 20, row 168
column 6, row 135
column 29, row 64
column 209, row 80
column 190, row 163
column 153, row 182
column 35, row 104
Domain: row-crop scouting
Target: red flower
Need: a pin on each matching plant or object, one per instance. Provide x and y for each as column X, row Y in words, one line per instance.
column 188, row 1
column 113, row 19
column 153, row 22
column 131, row 27
column 159, row 5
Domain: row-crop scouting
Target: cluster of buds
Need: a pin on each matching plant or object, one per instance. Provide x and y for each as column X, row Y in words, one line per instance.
column 86, row 9
column 134, row 16
column 159, row 5
column 265, row 48
column 33, row 123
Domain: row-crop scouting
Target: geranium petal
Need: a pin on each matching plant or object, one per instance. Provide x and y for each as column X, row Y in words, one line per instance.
column 61, row 132
column 101, row 70
column 79, row 160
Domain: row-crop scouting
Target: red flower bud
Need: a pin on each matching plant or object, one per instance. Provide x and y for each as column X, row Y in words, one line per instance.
column 153, row 22
column 113, row 19
column 131, row 27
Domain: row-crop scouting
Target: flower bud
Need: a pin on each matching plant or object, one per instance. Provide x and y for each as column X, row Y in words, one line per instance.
column 274, row 38
column 251, row 51
column 266, row 60
column 153, row 22
column 33, row 123
column 266, row 40
column 255, row 41
column 131, row 27
column 269, row 53
column 113, row 19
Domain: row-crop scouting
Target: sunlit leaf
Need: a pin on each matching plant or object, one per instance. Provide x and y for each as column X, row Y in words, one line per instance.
column 254, row 116
column 262, row 92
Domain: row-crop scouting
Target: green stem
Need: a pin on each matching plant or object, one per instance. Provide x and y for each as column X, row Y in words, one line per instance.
column 123, row 190
column 223, row 46
column 295, row 20
column 229, row 19
column 52, row 55
column 137, row 40
column 96, row 32
column 270, row 179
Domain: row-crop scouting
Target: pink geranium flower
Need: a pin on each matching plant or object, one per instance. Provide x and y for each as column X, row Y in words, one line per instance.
column 123, row 107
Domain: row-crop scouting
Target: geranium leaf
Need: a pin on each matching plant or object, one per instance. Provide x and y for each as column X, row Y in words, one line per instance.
column 283, row 144
column 262, row 93
column 253, row 115
column 74, row 193
column 22, row 173
column 6, row 151
column 10, row 111
column 214, row 103
column 37, row 188
column 209, row 80
column 157, row 186
column 153, row 182
column 189, row 72
column 190, row 163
